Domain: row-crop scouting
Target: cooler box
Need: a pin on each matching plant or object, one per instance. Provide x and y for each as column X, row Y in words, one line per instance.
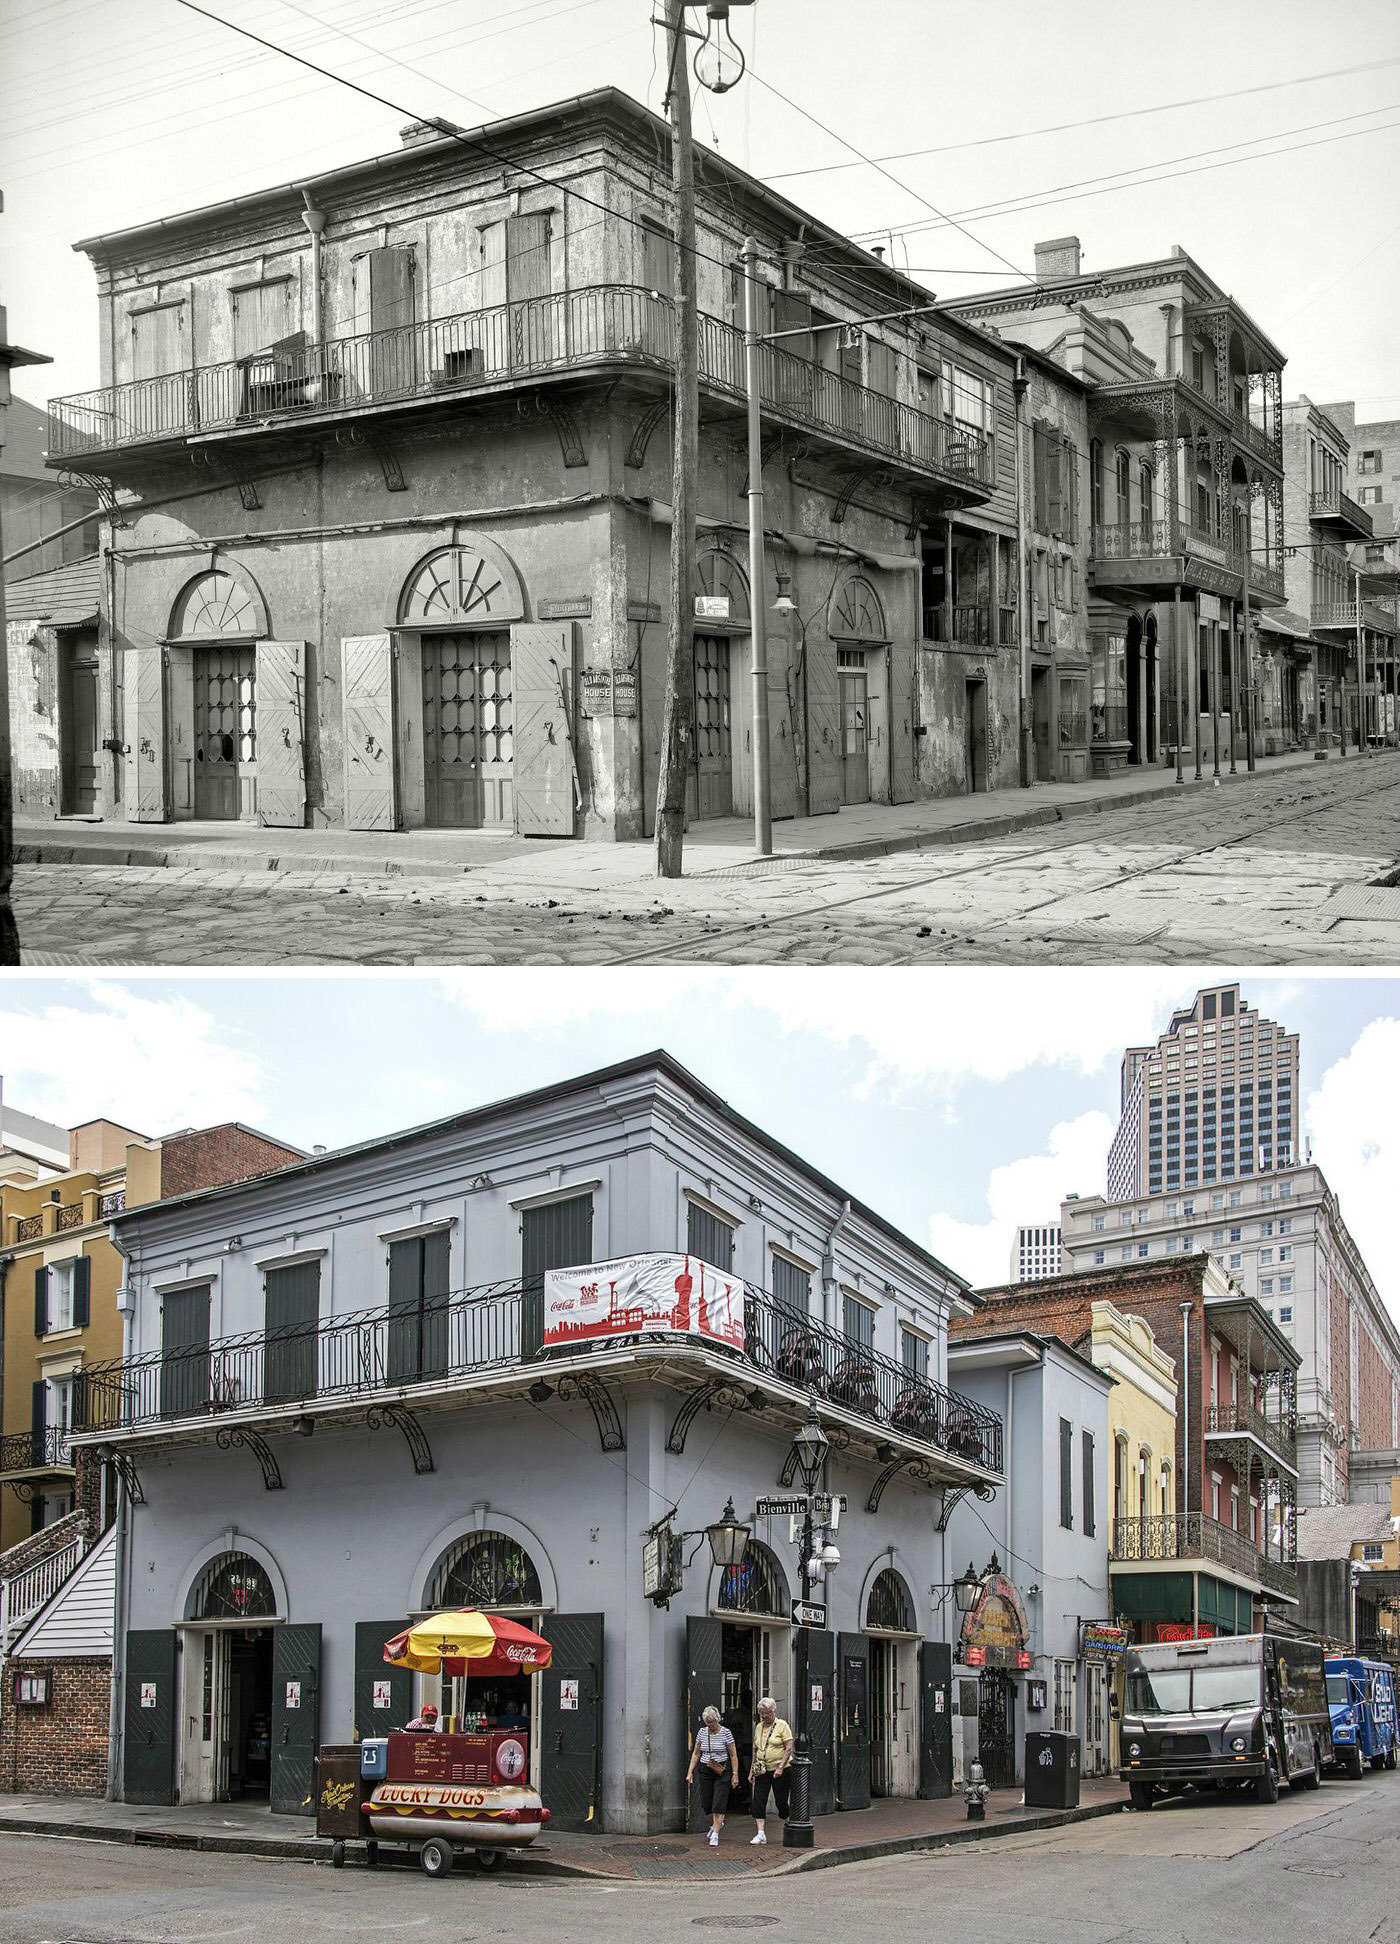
column 1052, row 1770
column 374, row 1758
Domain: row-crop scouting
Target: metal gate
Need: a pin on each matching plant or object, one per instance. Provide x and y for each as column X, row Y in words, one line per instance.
column 710, row 785
column 383, row 1694
column 935, row 1719
column 853, row 1755
column 996, row 1728
column 148, row 1743
column 224, row 740
column 571, row 1720
column 883, row 1716
column 468, row 731
column 296, row 1718
column 557, row 1236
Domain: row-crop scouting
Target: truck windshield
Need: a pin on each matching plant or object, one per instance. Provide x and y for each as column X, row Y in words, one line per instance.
column 1159, row 1690
column 1338, row 1690
column 1224, row 1687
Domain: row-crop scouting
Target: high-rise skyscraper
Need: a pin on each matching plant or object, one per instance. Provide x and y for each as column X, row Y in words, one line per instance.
column 1215, row 1100
column 1037, row 1252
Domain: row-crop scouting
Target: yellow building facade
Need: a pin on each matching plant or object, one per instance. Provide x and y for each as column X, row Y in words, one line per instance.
column 1141, row 1413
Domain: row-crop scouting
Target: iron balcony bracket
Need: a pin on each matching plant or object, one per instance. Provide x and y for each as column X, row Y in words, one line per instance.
column 227, row 1438
column 399, row 1416
column 953, row 1498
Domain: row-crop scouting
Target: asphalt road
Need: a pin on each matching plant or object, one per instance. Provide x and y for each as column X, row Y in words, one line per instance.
column 1314, row 1866
column 1285, row 872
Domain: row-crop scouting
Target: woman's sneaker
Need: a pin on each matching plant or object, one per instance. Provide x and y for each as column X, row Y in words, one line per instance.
column 714, row 1839
column 762, row 1837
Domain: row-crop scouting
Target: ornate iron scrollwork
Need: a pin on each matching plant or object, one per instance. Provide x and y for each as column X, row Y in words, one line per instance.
column 228, row 1436
column 953, row 1497
column 917, row 1469
column 859, row 476
column 641, row 432
column 125, row 1468
column 720, row 1390
column 402, row 1419
column 106, row 492
column 598, row 1398
column 546, row 405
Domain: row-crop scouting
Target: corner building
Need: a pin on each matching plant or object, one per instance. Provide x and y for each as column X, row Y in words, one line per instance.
column 338, row 1405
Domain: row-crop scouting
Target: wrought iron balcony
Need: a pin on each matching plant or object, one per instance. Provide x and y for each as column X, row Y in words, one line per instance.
column 498, row 1329
column 1343, row 615
column 70, row 1216
column 610, row 327
column 1339, row 509
column 1264, row 445
column 29, row 1228
column 35, row 1451
column 1195, row 1536
column 1235, row 1420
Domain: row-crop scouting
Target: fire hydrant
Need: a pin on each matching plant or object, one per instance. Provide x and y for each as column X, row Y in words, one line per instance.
column 975, row 1793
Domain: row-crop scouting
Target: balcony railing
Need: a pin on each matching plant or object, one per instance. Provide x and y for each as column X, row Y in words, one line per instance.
column 543, row 336
column 1247, row 433
column 23, row 1451
column 1168, row 535
column 1340, row 506
column 1136, row 539
column 29, row 1228
column 1343, row 614
column 1194, row 1535
column 112, row 1204
column 970, row 624
column 1230, row 1420
column 1278, row 1575
column 70, row 1216
column 499, row 1329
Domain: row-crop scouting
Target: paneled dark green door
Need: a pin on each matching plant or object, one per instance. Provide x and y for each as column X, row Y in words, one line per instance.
column 935, row 1719
column 853, row 1722
column 419, row 1306
column 571, row 1736
column 557, row 1236
column 184, row 1350
column 148, row 1742
column 292, row 1301
column 704, row 1650
column 395, row 1704
column 821, row 1674
column 296, row 1718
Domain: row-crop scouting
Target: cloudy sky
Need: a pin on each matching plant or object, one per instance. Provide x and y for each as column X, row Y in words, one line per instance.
column 956, row 1102
column 1254, row 135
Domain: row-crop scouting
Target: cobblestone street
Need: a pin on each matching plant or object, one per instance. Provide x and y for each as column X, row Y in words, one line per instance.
column 1283, row 870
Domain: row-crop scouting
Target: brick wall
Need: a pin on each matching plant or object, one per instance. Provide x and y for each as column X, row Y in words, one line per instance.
column 212, row 1156
column 60, row 1749
column 1373, row 1402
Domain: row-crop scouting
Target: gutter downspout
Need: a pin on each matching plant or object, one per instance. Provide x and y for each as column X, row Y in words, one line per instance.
column 315, row 221
column 1184, row 1477
column 830, row 1267
column 121, row 1604
column 1020, row 384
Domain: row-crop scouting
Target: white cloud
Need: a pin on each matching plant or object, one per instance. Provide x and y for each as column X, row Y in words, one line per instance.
column 151, row 1064
column 915, row 1029
column 1028, row 1190
column 1354, row 1121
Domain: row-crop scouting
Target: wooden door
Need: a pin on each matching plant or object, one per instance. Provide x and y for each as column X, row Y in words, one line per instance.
column 184, row 1349
column 903, row 674
column 292, row 1301
column 821, row 1717
column 144, row 778
column 296, row 1719
column 823, row 729
column 935, row 1719
column 419, row 1306
column 159, row 402
column 532, row 334
column 855, row 735
column 541, row 683
column 1040, row 719
column 468, row 731
column 148, row 1744
column 78, row 723
column 383, row 1694
column 558, row 1235
column 367, row 692
column 704, row 1688
column 279, row 683
column 853, row 1751
column 224, row 744
column 710, row 787
column 571, row 1736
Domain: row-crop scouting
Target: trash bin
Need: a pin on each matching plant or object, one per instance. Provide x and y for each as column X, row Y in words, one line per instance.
column 1052, row 1770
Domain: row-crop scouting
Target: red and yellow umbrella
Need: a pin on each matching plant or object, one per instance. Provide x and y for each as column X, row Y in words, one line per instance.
column 468, row 1642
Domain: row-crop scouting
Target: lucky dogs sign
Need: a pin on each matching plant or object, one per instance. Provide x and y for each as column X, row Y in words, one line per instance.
column 679, row 1294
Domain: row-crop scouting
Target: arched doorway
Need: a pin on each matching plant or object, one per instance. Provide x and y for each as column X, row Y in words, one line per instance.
column 493, row 1571
column 856, row 625
column 216, row 628
column 226, row 1707
column 753, row 1603
column 722, row 620
column 891, row 1626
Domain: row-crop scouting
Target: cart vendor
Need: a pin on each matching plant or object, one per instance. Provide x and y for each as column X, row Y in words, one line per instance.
column 424, row 1723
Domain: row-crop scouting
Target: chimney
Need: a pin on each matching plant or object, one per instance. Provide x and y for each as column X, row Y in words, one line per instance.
column 1057, row 258
column 418, row 132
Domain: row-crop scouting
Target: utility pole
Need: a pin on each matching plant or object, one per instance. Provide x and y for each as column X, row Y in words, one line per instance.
column 678, row 701
column 758, row 641
column 1361, row 748
column 1248, row 651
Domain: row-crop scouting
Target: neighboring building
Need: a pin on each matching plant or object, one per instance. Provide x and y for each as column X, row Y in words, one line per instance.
column 1037, row 1252
column 1349, row 1575
column 1185, row 465
column 1048, row 1534
column 1203, row 1525
column 1055, row 404
column 36, row 507
column 1216, row 1099
column 29, row 1146
column 1373, row 479
column 57, row 736
column 421, row 578
column 369, row 1329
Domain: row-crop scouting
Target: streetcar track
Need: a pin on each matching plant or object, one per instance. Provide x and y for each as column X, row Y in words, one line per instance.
column 985, row 867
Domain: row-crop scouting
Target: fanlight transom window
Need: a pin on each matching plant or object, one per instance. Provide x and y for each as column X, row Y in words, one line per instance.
column 214, row 607
column 459, row 586
column 889, row 1608
column 756, row 1585
column 856, row 614
column 486, row 1569
column 716, row 573
column 232, row 1587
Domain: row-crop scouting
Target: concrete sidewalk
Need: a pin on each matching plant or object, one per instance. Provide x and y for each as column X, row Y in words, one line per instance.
column 858, row 831
column 888, row 1828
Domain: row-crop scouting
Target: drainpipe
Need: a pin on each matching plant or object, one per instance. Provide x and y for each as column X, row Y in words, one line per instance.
column 830, row 1268
column 121, row 1604
column 315, row 221
column 1020, row 384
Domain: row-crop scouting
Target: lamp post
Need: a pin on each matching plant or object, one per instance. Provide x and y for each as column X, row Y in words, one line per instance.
column 810, row 1446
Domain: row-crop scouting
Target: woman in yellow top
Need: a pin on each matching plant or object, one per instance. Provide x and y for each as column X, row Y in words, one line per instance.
column 772, row 1756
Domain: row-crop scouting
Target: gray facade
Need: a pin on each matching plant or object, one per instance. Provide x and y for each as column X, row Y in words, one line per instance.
column 349, row 1483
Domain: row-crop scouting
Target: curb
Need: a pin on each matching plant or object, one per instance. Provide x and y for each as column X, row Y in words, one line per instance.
column 317, row 1849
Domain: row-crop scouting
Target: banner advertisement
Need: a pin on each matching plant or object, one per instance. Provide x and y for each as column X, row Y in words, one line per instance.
column 678, row 1294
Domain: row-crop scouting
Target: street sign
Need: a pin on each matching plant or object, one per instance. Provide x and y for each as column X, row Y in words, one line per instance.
column 777, row 1508
column 807, row 1613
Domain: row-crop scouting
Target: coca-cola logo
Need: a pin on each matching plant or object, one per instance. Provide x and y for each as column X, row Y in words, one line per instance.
column 518, row 1651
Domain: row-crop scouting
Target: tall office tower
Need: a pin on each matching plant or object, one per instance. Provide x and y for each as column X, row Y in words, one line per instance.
column 1036, row 1253
column 1216, row 1099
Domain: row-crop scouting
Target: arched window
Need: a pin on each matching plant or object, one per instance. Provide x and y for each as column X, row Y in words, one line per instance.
column 217, row 607
column 856, row 613
column 719, row 577
column 232, row 1587
column 467, row 586
column 756, row 1586
column 485, row 1569
column 889, row 1608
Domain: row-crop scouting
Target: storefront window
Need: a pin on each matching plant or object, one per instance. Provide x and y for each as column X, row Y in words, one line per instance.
column 1074, row 713
column 1109, row 675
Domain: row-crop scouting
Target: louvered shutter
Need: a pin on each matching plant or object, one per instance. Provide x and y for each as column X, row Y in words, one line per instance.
column 1041, row 477
column 41, row 1302
column 82, row 1292
column 280, row 690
